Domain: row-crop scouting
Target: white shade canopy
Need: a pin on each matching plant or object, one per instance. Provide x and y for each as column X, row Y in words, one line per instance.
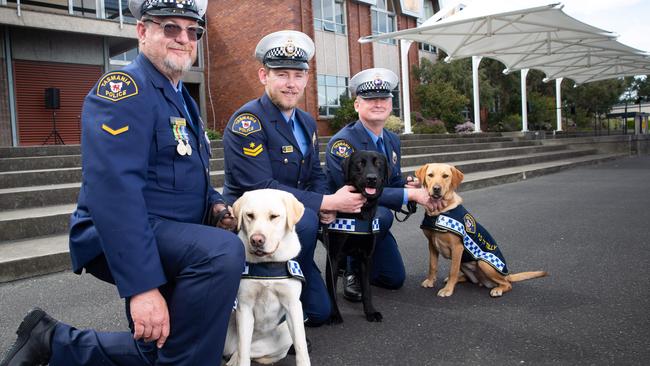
column 542, row 38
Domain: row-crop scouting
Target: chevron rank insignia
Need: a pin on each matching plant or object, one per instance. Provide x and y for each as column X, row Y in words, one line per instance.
column 115, row 132
column 116, row 86
column 245, row 124
column 253, row 150
column 341, row 149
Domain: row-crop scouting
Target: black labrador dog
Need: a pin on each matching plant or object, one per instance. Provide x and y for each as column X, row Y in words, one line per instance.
column 356, row 234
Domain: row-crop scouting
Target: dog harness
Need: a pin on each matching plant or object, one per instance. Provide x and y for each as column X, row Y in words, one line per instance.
column 478, row 243
column 354, row 226
column 273, row 271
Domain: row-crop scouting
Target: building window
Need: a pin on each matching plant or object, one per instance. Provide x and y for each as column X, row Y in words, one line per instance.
column 383, row 19
column 329, row 15
column 428, row 13
column 331, row 89
column 397, row 110
column 124, row 58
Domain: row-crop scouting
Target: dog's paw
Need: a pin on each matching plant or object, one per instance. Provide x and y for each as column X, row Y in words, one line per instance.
column 445, row 292
column 496, row 292
column 335, row 319
column 374, row 317
column 427, row 283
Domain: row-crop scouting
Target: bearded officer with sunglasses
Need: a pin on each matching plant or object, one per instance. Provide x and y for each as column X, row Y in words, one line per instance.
column 146, row 213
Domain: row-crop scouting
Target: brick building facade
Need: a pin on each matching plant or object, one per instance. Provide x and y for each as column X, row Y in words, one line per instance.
column 235, row 27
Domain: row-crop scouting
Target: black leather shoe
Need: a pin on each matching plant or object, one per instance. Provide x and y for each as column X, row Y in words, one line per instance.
column 352, row 288
column 33, row 346
column 292, row 350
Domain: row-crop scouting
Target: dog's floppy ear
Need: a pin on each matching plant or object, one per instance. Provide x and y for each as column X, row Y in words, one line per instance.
column 421, row 174
column 295, row 210
column 237, row 208
column 456, row 177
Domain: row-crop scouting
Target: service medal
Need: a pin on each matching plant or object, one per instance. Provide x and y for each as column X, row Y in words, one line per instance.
column 181, row 149
column 188, row 147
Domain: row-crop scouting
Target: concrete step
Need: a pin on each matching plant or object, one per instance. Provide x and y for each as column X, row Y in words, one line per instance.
column 32, row 222
column 40, row 162
column 42, row 255
column 38, row 196
column 27, row 222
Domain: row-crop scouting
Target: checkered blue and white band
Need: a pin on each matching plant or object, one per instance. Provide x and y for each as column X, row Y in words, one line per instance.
column 374, row 85
column 471, row 246
column 354, row 225
column 281, row 53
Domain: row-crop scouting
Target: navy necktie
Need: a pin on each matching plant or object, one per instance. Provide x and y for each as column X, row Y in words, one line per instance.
column 380, row 146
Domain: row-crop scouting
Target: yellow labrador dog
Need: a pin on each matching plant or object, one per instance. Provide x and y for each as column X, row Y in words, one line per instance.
column 455, row 233
column 268, row 317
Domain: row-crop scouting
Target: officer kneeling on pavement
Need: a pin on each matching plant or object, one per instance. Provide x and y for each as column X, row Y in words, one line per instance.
column 271, row 143
column 374, row 103
column 146, row 213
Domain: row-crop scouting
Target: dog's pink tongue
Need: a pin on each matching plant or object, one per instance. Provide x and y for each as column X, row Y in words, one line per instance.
column 371, row 191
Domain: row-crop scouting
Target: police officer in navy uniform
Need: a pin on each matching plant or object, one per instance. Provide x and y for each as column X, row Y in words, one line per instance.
column 270, row 143
column 143, row 212
column 374, row 104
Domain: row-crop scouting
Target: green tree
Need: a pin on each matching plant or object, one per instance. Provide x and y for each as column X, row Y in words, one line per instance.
column 441, row 100
column 592, row 100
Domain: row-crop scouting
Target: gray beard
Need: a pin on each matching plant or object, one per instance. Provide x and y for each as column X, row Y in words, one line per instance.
column 175, row 68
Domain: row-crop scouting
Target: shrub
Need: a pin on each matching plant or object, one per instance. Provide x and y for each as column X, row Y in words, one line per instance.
column 344, row 115
column 394, row 124
column 212, row 134
column 425, row 125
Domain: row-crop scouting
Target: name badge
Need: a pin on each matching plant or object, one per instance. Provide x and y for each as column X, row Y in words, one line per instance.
column 287, row 149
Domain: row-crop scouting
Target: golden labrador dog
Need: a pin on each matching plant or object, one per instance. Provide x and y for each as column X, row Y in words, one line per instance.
column 455, row 233
column 268, row 317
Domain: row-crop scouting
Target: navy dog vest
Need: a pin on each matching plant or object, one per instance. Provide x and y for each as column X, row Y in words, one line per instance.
column 479, row 244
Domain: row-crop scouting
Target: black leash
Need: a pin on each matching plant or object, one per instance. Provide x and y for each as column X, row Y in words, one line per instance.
column 411, row 206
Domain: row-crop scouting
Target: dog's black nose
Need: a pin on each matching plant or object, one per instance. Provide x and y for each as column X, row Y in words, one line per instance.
column 257, row 240
column 371, row 179
column 437, row 190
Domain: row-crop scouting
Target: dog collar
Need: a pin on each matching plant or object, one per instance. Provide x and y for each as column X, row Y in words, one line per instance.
column 273, row 271
column 354, row 226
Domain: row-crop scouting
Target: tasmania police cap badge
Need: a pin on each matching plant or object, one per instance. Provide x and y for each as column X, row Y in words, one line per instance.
column 116, row 86
column 341, row 148
column 245, row 124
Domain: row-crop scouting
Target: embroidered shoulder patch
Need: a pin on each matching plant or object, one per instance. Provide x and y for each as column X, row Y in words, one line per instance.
column 245, row 124
column 116, row 86
column 341, row 148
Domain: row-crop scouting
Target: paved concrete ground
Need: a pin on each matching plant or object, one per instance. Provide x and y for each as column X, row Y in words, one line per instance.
column 588, row 227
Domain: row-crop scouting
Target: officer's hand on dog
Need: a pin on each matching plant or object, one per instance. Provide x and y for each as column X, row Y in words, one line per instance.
column 327, row 217
column 421, row 196
column 223, row 219
column 150, row 317
column 412, row 182
column 344, row 200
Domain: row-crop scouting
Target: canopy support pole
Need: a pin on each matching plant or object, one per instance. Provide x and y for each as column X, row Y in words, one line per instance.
column 558, row 103
column 477, row 108
column 524, row 102
column 406, row 97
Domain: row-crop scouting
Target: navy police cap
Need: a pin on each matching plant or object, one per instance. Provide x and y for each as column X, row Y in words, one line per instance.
column 285, row 49
column 374, row 83
column 193, row 9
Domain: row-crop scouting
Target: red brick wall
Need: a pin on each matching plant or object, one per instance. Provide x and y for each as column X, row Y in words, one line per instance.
column 235, row 28
column 359, row 25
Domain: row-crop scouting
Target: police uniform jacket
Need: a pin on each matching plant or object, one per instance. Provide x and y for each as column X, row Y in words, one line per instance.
column 354, row 137
column 260, row 151
column 132, row 172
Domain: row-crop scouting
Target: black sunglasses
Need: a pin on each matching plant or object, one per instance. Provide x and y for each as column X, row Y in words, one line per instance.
column 172, row 30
